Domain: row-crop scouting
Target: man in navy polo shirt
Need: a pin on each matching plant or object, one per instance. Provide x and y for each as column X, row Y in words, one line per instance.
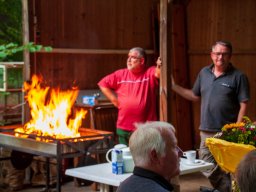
column 224, row 93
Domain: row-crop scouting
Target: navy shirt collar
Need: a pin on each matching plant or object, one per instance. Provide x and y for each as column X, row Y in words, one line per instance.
column 230, row 68
column 153, row 176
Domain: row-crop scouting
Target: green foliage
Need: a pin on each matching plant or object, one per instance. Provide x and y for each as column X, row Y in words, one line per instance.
column 11, row 31
column 11, row 48
column 7, row 50
column 11, row 25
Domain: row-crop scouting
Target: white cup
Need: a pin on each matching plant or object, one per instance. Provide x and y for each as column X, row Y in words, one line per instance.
column 190, row 155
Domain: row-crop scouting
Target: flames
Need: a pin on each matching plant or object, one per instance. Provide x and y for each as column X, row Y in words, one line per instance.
column 51, row 111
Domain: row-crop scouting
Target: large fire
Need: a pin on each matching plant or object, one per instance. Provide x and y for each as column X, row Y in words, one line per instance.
column 51, row 111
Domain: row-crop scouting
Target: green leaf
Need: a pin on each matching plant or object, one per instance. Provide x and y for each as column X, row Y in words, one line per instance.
column 32, row 49
column 10, row 45
column 14, row 50
column 5, row 93
column 38, row 47
column 48, row 49
column 30, row 44
column 20, row 49
column 3, row 55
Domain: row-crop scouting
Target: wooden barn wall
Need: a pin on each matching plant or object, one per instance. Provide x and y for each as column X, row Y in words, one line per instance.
column 91, row 38
column 180, row 108
column 232, row 20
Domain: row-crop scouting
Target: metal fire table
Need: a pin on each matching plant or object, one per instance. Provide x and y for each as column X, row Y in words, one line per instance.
column 91, row 141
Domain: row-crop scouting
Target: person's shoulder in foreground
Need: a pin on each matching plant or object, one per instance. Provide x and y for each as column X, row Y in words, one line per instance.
column 246, row 172
column 154, row 149
column 142, row 184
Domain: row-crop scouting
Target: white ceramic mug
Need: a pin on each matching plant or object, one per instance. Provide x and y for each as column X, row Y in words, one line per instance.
column 119, row 147
column 190, row 155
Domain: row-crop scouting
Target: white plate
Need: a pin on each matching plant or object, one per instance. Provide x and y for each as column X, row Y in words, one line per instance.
column 197, row 162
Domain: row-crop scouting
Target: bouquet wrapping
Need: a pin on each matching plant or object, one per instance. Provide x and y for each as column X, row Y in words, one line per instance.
column 234, row 141
column 227, row 154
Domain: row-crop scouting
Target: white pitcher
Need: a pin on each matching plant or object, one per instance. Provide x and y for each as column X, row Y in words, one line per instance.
column 127, row 157
column 118, row 146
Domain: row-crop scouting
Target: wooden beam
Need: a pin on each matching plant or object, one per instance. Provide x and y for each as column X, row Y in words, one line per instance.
column 165, row 43
column 163, row 112
column 26, row 69
column 180, row 72
column 92, row 51
column 25, row 29
column 235, row 52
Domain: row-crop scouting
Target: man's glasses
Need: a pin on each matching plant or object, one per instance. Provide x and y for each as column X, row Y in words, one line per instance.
column 218, row 54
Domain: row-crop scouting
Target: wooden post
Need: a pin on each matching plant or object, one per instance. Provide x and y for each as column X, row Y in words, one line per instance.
column 165, row 56
column 165, row 53
column 26, row 68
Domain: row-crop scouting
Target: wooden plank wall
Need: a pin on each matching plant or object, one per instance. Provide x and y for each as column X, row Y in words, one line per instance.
column 91, row 38
column 181, row 108
column 211, row 20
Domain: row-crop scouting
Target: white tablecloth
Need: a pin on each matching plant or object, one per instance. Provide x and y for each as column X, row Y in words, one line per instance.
column 102, row 173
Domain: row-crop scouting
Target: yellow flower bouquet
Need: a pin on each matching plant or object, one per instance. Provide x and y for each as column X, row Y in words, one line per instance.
column 234, row 141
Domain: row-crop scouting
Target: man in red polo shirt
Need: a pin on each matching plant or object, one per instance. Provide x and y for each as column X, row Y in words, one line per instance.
column 133, row 91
